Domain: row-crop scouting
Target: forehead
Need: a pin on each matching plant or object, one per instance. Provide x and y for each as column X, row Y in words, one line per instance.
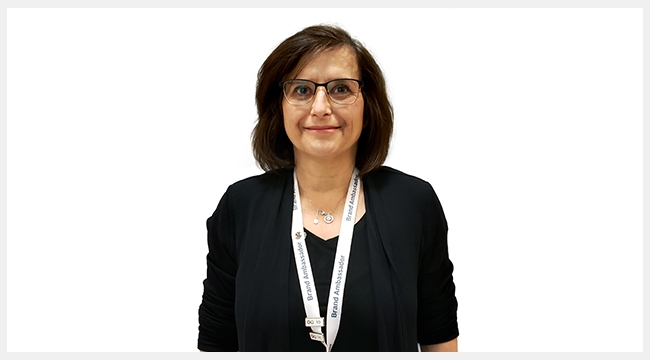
column 339, row 62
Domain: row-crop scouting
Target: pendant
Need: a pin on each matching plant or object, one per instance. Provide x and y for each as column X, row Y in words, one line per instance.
column 328, row 218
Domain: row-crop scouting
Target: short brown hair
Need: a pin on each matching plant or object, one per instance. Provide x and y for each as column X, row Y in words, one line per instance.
column 271, row 146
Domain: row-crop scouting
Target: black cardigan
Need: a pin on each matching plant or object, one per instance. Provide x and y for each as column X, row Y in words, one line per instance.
column 245, row 297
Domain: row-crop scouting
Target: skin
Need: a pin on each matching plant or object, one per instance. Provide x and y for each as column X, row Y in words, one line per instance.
column 449, row 346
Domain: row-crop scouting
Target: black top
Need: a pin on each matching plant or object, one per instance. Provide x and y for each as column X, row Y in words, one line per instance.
column 358, row 327
column 248, row 304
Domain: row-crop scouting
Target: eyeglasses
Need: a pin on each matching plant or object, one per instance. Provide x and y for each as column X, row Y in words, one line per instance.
column 340, row 91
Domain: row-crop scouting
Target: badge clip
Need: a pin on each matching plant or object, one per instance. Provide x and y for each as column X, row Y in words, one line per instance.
column 317, row 336
column 309, row 322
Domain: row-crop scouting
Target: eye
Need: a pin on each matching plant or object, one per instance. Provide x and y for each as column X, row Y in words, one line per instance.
column 340, row 88
column 301, row 89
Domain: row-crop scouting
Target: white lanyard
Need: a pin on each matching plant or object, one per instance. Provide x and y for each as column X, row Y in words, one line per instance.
column 339, row 273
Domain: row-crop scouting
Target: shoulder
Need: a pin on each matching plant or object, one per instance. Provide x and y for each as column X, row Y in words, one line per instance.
column 387, row 179
column 398, row 190
column 254, row 193
column 255, row 190
column 263, row 182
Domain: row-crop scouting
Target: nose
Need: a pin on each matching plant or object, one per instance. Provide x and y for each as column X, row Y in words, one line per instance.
column 321, row 105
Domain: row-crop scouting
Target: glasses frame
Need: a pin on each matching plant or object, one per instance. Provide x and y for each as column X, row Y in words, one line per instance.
column 283, row 82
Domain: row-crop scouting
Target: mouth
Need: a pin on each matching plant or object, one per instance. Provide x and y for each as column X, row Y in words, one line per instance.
column 322, row 129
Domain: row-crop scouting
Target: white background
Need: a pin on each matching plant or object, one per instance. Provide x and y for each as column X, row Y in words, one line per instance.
column 125, row 126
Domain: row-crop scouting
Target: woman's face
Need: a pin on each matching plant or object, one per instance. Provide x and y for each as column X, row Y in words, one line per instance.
column 323, row 129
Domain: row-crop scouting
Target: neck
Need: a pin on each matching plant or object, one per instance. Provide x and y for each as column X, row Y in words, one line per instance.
column 319, row 178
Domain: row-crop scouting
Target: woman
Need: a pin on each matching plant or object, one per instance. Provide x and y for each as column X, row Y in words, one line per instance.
column 328, row 250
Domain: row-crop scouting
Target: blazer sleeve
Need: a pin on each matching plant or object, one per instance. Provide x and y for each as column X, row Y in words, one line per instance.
column 217, row 329
column 437, row 303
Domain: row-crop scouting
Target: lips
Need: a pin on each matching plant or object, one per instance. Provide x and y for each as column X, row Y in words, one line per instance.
column 322, row 128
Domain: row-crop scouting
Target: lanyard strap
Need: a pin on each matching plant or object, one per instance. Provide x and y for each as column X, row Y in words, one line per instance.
column 339, row 273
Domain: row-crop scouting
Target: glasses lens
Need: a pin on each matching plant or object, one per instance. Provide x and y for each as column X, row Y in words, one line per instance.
column 343, row 91
column 299, row 91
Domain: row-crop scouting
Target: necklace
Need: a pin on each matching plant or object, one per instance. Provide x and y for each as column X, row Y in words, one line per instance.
column 327, row 216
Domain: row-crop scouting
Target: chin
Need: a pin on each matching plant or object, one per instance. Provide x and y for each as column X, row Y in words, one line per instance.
column 326, row 151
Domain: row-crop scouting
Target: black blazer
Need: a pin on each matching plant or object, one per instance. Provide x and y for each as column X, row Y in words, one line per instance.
column 249, row 241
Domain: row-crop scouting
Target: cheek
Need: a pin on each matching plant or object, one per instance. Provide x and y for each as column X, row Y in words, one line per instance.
column 284, row 112
column 358, row 115
column 286, row 116
column 291, row 122
column 291, row 114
